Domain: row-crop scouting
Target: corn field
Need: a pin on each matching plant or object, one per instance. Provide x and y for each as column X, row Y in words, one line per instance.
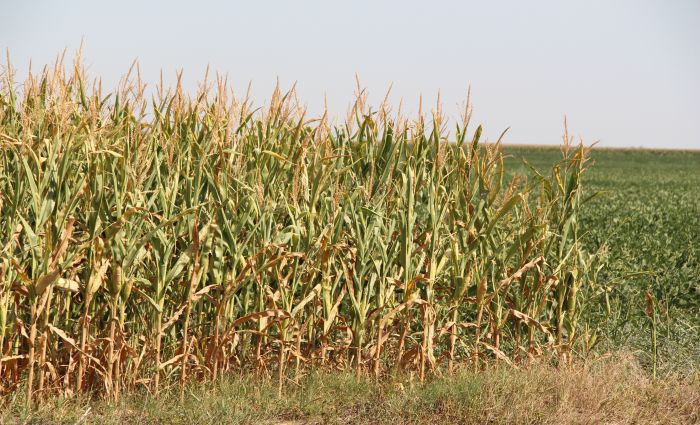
column 152, row 240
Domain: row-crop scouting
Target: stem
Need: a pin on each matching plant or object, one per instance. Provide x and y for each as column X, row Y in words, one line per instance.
column 475, row 358
column 159, row 331
column 358, row 365
column 83, row 343
column 32, row 338
column 378, row 350
column 280, row 369
column 654, row 346
column 188, row 310
column 44, row 339
column 453, row 340
column 110, row 355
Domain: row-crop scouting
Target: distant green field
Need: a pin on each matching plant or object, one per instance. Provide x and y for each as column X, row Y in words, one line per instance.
column 648, row 212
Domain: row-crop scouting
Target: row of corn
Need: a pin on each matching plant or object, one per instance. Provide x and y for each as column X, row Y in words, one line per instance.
column 148, row 240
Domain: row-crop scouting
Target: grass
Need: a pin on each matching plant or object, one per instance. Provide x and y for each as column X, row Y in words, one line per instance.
column 608, row 390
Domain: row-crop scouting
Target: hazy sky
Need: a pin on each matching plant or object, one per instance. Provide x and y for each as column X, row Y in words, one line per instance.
column 626, row 73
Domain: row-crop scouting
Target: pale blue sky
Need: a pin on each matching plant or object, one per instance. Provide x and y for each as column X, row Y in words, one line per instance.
column 626, row 73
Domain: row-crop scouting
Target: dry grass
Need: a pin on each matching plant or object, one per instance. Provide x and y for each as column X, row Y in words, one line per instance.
column 611, row 390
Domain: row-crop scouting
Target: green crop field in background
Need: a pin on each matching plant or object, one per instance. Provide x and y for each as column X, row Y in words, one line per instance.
column 648, row 213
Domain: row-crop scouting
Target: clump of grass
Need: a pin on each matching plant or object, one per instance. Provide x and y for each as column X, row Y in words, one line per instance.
column 154, row 242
